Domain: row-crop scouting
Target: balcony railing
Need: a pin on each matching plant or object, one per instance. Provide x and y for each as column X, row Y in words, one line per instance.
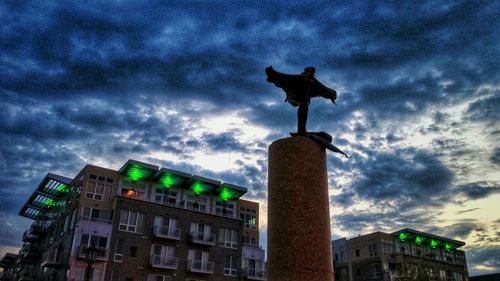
column 254, row 274
column 199, row 266
column 28, row 236
column 163, row 261
column 50, row 260
column 153, row 277
column 101, row 219
column 203, row 238
column 36, row 228
column 102, row 253
column 167, row 232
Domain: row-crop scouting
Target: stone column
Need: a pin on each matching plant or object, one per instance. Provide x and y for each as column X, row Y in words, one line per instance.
column 299, row 240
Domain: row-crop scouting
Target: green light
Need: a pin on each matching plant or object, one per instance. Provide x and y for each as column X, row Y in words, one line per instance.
column 434, row 243
column 449, row 246
column 403, row 236
column 63, row 188
column 137, row 172
column 49, row 203
column 168, row 180
column 227, row 193
column 419, row 239
column 197, row 188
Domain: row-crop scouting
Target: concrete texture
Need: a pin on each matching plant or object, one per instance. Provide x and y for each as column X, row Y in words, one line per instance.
column 299, row 240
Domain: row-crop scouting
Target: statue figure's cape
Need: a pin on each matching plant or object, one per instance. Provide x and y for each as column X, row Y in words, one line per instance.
column 299, row 88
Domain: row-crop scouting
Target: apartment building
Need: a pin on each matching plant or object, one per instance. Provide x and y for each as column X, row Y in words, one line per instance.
column 406, row 254
column 148, row 223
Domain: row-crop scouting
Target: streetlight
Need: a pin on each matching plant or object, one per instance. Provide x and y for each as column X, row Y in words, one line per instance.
column 90, row 256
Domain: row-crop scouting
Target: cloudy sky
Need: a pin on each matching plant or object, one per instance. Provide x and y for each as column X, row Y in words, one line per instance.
column 182, row 85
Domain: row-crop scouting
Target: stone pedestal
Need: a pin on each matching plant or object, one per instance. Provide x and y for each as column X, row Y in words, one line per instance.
column 299, row 245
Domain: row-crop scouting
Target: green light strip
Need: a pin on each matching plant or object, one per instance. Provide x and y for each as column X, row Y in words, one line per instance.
column 449, row 246
column 434, row 243
column 419, row 239
column 168, row 180
column 63, row 188
column 403, row 236
column 199, row 187
column 137, row 172
column 227, row 194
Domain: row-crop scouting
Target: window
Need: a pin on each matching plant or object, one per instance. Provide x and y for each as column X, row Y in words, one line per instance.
column 165, row 196
column 249, row 240
column 166, row 227
column 249, row 217
column 224, row 208
column 198, row 261
column 357, row 252
column 94, row 214
column 375, row 270
column 131, row 221
column 99, row 241
column 197, row 203
column 228, row 238
column 133, row 252
column 336, row 257
column 133, row 190
column 119, row 249
column 115, row 275
column 372, row 250
column 230, row 266
column 202, row 232
column 457, row 276
column 164, row 256
column 95, row 190
column 253, row 267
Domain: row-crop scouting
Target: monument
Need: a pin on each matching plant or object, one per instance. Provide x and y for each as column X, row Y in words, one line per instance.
column 299, row 237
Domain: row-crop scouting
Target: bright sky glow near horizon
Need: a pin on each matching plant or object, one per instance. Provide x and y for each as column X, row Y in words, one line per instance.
column 183, row 86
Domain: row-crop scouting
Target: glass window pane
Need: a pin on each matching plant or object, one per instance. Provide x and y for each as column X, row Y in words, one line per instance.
column 132, row 218
column 124, row 217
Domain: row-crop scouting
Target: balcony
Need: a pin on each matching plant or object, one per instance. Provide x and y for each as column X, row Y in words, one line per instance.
column 102, row 253
column 201, row 267
column 36, row 228
column 163, row 262
column 28, row 251
column 49, row 259
column 30, row 237
column 154, row 277
column 167, row 232
column 202, row 238
column 254, row 274
column 101, row 219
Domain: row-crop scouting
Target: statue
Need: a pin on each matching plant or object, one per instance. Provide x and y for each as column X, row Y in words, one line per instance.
column 299, row 89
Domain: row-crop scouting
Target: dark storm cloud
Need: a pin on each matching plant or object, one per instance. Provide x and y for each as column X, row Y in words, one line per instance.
column 223, row 142
column 410, row 176
column 487, row 256
column 495, row 157
column 360, row 221
column 460, row 230
column 466, row 211
column 486, row 109
column 478, row 190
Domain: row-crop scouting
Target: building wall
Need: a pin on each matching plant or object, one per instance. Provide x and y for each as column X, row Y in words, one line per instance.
column 139, row 267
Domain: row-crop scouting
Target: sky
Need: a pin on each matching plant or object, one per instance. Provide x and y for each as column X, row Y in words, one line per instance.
column 182, row 85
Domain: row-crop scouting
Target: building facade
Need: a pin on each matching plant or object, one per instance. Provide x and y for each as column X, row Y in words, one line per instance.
column 148, row 223
column 403, row 255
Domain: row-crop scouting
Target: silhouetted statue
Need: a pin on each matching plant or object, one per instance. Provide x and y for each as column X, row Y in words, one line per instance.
column 299, row 89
